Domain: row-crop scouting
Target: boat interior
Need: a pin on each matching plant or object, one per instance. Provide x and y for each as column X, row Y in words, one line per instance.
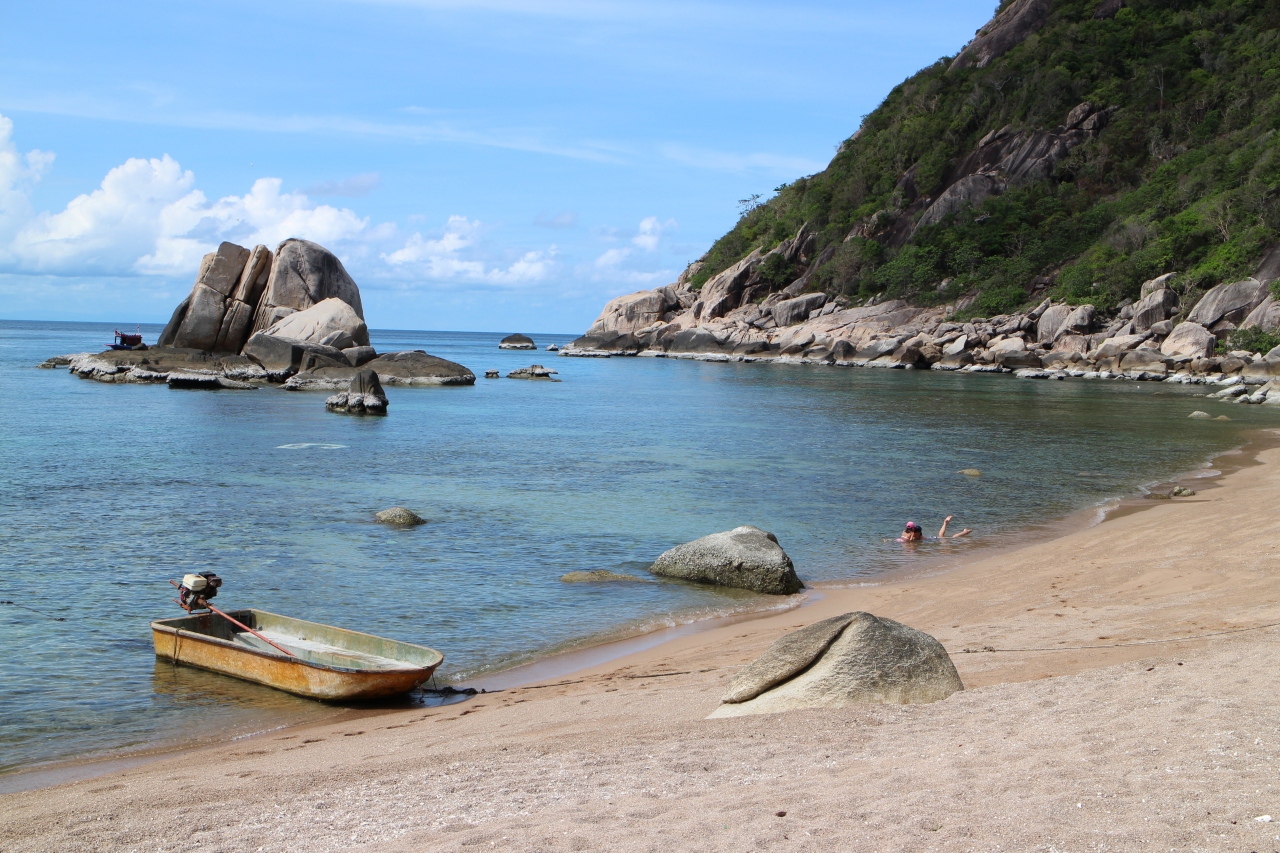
column 321, row 645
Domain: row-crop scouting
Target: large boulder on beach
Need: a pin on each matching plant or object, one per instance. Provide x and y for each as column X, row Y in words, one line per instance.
column 517, row 342
column 331, row 322
column 745, row 557
column 1230, row 302
column 1265, row 317
column 1189, row 339
column 856, row 658
column 303, row 274
column 1155, row 307
column 1052, row 323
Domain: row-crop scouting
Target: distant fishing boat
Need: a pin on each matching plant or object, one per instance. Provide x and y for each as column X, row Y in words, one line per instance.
column 304, row 658
column 125, row 340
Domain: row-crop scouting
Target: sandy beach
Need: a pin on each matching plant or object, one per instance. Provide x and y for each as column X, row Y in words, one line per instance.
column 1070, row 740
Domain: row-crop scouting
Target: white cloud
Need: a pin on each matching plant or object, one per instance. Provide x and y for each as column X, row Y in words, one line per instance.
column 618, row 264
column 650, row 231
column 18, row 172
column 453, row 256
column 147, row 217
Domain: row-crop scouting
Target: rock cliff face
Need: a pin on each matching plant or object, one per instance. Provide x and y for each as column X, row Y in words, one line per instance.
column 239, row 292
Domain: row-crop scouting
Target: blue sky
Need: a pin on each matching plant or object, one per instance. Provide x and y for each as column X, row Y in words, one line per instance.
column 487, row 165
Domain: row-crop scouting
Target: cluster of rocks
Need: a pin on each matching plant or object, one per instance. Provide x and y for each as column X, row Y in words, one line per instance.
column 1156, row 337
column 292, row 316
column 534, row 371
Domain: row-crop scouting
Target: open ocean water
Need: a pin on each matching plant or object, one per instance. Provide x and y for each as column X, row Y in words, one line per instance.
column 108, row 491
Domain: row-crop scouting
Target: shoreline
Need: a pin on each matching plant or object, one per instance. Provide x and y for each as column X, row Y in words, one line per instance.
column 1065, row 732
column 591, row 657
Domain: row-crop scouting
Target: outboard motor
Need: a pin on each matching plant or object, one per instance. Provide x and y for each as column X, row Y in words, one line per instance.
column 196, row 589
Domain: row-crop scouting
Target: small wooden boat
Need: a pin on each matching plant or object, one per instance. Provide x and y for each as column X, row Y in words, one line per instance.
column 304, row 658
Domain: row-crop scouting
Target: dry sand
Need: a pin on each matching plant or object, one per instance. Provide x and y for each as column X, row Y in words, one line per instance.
column 1173, row 746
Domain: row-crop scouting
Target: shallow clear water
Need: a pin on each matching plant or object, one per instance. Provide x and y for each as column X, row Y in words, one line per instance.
column 108, row 491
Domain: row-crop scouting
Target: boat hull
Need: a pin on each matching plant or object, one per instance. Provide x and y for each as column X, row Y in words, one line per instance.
column 207, row 641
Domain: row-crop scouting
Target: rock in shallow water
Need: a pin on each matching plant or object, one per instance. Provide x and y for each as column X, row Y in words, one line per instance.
column 852, row 659
column 400, row 517
column 745, row 557
column 601, row 576
column 517, row 342
column 364, row 396
column 533, row 371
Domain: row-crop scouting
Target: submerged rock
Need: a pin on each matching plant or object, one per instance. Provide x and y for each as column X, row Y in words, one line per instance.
column 517, row 342
column 400, row 517
column 852, row 659
column 601, row 576
column 745, row 557
column 970, row 472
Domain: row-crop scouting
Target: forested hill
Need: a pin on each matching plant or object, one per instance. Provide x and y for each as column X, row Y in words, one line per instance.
column 1074, row 148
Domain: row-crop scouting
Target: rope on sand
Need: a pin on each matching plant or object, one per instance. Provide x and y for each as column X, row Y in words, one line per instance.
column 990, row 650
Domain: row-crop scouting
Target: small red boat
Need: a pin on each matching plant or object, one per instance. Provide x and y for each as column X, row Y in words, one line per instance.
column 124, row 340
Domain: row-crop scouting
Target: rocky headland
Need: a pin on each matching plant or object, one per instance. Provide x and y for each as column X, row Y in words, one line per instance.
column 1025, row 206
column 1156, row 337
column 292, row 317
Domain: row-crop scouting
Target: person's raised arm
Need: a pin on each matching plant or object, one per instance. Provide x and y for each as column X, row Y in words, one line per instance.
column 942, row 534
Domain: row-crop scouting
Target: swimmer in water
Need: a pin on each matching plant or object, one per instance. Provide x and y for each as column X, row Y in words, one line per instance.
column 913, row 533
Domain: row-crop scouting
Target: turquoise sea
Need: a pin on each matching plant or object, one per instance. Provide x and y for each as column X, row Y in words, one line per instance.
column 106, row 492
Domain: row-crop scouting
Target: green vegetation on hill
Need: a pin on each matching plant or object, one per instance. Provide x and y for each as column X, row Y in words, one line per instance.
column 1184, row 177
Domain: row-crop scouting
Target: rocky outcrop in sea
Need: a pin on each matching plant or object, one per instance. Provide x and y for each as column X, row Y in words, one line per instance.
column 292, row 317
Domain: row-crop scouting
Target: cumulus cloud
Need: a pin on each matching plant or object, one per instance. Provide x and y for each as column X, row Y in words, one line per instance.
column 453, row 256
column 618, row 264
column 148, row 218
column 647, row 237
column 18, row 172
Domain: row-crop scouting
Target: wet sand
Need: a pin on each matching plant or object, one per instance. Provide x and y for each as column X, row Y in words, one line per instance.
column 1075, row 732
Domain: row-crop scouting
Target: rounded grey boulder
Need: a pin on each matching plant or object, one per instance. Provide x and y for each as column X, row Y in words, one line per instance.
column 517, row 341
column 847, row 660
column 400, row 517
column 745, row 557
